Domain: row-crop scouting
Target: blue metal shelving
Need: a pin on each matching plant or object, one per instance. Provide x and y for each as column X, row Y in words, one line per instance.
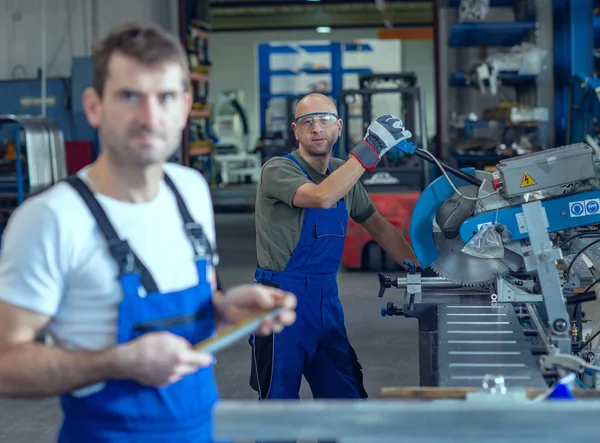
column 466, row 35
column 497, row 34
column 596, row 26
column 336, row 70
column 507, row 78
column 576, row 33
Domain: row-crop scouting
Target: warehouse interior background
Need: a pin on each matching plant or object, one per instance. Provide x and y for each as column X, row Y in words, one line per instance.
column 475, row 81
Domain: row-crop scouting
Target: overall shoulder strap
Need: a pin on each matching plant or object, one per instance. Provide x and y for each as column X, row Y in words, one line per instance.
column 295, row 160
column 119, row 249
column 200, row 243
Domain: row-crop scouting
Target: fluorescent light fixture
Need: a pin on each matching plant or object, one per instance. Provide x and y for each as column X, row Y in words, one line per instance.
column 323, row 29
column 313, row 0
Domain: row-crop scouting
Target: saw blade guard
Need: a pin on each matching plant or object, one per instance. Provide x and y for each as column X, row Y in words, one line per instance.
column 424, row 212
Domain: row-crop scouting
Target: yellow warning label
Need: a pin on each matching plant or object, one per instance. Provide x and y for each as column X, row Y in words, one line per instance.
column 527, row 180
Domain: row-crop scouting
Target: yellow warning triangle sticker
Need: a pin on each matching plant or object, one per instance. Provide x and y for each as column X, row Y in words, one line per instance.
column 527, row 180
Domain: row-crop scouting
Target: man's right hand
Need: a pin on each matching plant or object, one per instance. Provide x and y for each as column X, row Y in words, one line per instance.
column 158, row 359
column 382, row 135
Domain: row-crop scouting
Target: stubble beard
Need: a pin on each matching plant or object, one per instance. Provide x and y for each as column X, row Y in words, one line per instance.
column 122, row 151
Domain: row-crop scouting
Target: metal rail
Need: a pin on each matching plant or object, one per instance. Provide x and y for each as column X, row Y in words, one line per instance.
column 377, row 421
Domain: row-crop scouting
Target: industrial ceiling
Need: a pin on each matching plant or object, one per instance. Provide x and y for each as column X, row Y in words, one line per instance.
column 247, row 15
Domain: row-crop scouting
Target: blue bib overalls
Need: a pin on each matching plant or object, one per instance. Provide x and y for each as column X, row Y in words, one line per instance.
column 125, row 411
column 316, row 345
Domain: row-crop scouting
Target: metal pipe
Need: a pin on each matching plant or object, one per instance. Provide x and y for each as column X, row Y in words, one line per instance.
column 84, row 26
column 453, row 295
column 432, row 282
column 94, row 14
column 44, row 56
column 424, row 141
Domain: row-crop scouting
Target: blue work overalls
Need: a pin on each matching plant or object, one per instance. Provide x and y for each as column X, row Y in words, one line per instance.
column 316, row 345
column 125, row 411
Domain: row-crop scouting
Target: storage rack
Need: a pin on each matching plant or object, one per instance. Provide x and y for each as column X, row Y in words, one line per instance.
column 576, row 34
column 336, row 71
column 197, row 142
column 457, row 48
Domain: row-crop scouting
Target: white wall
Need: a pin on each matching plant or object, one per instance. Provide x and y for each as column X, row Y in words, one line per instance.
column 233, row 55
column 71, row 26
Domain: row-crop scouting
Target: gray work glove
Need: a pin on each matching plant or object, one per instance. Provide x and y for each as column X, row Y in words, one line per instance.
column 382, row 135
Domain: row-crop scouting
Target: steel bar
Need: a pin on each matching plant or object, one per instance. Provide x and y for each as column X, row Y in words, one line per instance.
column 437, row 282
column 378, row 421
column 43, row 51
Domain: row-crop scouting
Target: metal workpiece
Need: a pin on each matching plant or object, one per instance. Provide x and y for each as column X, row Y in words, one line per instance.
column 546, row 169
column 407, row 421
column 417, row 289
column 476, row 340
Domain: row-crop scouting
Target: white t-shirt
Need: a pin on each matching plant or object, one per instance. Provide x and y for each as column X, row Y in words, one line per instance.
column 54, row 259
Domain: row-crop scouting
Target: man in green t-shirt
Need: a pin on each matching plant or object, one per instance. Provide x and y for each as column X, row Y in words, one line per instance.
column 303, row 203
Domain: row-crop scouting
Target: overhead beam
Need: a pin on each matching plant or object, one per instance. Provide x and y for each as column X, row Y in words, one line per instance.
column 302, row 17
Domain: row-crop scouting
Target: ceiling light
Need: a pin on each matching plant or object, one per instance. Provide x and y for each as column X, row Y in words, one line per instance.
column 323, row 29
column 313, row 0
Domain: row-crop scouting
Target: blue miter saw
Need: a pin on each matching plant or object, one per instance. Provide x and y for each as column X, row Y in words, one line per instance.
column 454, row 208
column 500, row 244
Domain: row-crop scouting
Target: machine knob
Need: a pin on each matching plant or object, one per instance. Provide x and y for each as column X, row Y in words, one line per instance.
column 384, row 283
column 391, row 310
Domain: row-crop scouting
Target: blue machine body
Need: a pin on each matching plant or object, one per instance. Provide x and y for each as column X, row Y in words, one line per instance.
column 424, row 212
column 564, row 212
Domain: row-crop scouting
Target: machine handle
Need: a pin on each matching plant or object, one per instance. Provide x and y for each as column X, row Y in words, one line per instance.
column 412, row 268
column 457, row 172
column 384, row 283
column 411, row 149
column 391, row 310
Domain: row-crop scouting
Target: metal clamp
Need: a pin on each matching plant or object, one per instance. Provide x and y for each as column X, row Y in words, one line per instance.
column 554, row 363
column 542, row 258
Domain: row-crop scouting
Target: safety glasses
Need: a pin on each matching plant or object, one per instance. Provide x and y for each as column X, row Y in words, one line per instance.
column 325, row 120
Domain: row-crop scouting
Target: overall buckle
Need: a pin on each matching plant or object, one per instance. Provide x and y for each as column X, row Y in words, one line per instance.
column 201, row 245
column 123, row 255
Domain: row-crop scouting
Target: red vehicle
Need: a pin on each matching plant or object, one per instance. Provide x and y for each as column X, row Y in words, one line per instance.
column 398, row 181
column 360, row 250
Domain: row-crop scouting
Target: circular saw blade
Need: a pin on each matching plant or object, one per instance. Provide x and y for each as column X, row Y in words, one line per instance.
column 464, row 269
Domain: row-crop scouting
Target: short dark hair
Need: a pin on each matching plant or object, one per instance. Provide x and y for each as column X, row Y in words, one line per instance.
column 145, row 42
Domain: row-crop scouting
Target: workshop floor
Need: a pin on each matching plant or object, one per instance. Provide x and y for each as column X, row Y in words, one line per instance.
column 387, row 347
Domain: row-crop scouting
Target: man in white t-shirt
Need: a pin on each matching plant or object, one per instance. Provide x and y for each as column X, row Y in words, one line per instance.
column 116, row 264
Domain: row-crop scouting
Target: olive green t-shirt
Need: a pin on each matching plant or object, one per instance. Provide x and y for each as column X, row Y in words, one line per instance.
column 278, row 222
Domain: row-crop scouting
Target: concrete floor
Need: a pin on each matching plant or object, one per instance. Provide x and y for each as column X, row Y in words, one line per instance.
column 386, row 347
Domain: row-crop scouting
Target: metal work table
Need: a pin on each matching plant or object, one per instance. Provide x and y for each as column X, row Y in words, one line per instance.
column 475, row 339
